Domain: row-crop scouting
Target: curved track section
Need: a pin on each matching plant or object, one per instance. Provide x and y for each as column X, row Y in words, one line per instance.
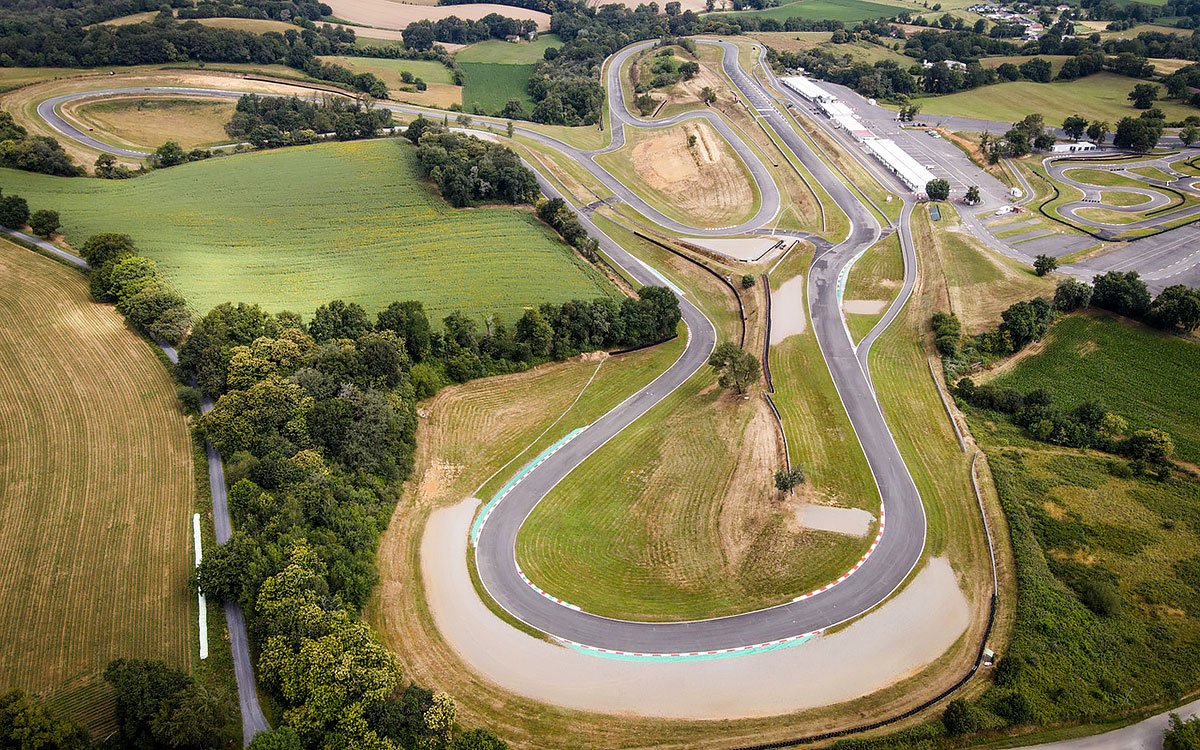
column 901, row 541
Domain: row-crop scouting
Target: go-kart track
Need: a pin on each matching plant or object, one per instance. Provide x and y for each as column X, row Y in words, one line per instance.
column 900, row 541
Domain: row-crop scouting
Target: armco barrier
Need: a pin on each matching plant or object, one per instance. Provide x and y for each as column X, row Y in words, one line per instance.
column 722, row 279
column 766, row 363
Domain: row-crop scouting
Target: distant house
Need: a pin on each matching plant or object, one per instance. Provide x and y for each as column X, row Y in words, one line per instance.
column 1073, row 148
column 952, row 64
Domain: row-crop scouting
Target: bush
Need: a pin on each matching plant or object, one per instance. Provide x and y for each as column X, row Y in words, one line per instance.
column 14, row 212
column 1014, row 707
column 747, row 280
column 1100, row 597
column 44, row 222
column 1071, row 295
column 960, row 717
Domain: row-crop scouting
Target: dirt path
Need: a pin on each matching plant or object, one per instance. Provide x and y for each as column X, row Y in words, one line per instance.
column 902, row 636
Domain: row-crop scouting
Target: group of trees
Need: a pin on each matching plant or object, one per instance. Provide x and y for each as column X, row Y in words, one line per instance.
column 1176, row 308
column 25, row 723
column 14, row 214
column 1140, row 133
column 471, row 170
column 1021, row 139
column 563, row 220
column 1076, row 126
column 317, row 424
column 663, row 69
column 421, row 35
column 121, row 276
column 159, row 706
column 271, row 122
column 37, row 153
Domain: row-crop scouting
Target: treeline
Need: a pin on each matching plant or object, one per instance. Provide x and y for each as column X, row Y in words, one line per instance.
column 317, row 425
column 420, row 35
column 37, row 153
column 274, row 121
column 470, row 170
column 277, row 10
column 133, row 283
column 1175, row 309
column 545, row 6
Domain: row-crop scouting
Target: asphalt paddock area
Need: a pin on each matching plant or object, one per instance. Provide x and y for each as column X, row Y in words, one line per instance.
column 905, row 634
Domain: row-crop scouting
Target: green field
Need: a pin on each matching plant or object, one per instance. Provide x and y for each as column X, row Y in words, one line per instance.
column 1122, row 198
column 492, row 85
column 1105, row 358
column 389, row 70
column 1099, row 97
column 96, row 495
column 1153, row 173
column 1103, row 177
column 826, row 10
column 292, row 229
column 508, row 53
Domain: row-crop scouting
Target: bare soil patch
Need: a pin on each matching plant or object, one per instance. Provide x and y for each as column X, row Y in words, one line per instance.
column 788, row 315
column 853, row 521
column 704, row 179
column 864, row 306
column 150, row 121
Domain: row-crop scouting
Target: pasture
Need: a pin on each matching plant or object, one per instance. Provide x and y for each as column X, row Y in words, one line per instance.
column 847, row 11
column 500, row 52
column 389, row 70
column 492, row 85
column 1136, row 371
column 859, row 51
column 1101, row 96
column 292, row 229
column 96, row 493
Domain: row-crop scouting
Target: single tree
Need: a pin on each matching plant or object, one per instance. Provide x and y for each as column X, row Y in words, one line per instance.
column 44, row 222
column 1075, row 126
column 1071, row 295
column 1188, row 134
column 787, row 480
column 937, row 190
column 747, row 280
column 1098, row 131
column 1143, row 95
column 735, row 367
column 169, row 154
column 708, row 95
column 1044, row 264
column 972, row 197
column 14, row 211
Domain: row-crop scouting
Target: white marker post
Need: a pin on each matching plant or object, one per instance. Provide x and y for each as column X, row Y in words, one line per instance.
column 203, row 618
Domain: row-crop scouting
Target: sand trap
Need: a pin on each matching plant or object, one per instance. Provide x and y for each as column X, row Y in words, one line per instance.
column 864, row 306
column 749, row 249
column 387, row 14
column 787, row 310
column 853, row 521
column 904, row 635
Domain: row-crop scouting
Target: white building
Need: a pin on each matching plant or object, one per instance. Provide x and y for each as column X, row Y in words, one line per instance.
column 1073, row 148
column 806, row 88
column 911, row 172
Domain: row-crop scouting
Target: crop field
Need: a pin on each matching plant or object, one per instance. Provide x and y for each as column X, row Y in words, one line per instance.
column 499, row 52
column 1099, row 97
column 148, row 122
column 1080, row 526
column 293, row 229
column 96, row 493
column 389, row 70
column 492, row 85
column 859, row 51
column 828, row 10
column 877, row 275
column 1134, row 370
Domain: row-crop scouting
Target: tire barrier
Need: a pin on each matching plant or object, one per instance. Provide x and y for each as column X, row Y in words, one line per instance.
column 633, row 349
column 766, row 363
column 722, row 279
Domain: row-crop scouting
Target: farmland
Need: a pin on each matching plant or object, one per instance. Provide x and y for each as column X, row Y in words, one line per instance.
column 1101, row 97
column 827, row 10
column 492, row 85
column 96, row 493
column 354, row 222
column 508, row 53
column 1132, row 369
column 1108, row 596
column 859, row 51
column 441, row 91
